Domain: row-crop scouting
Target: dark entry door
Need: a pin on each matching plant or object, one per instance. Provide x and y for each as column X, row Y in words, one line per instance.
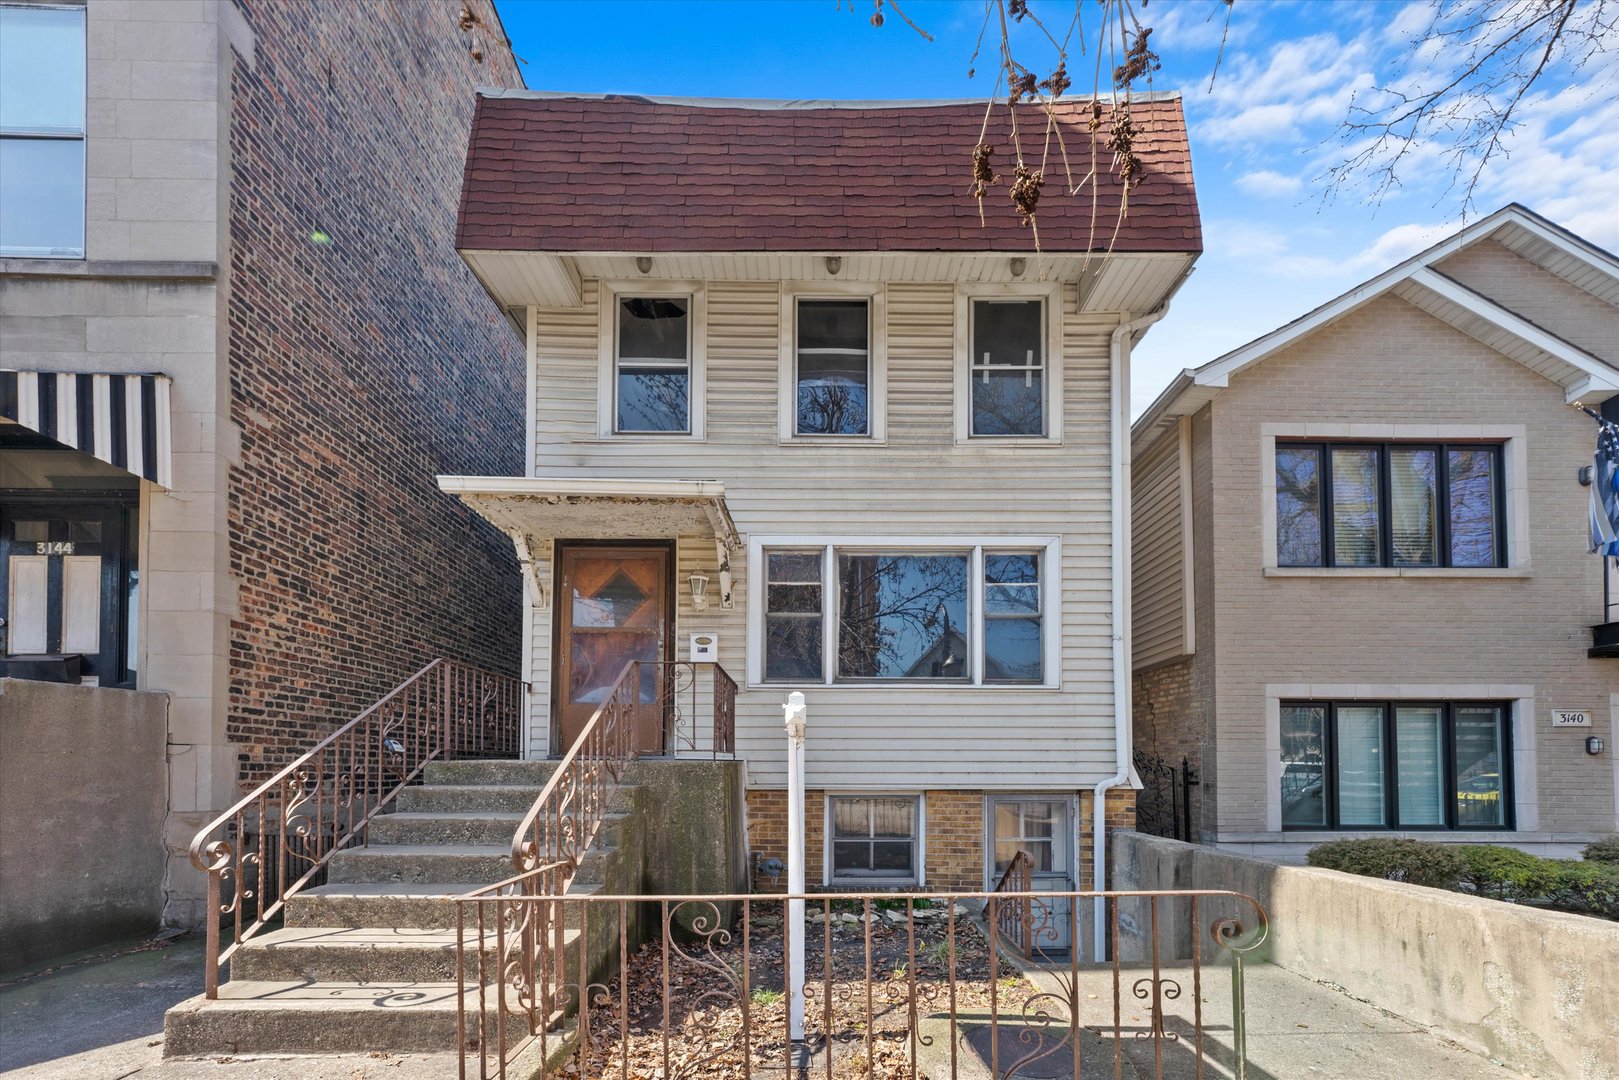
column 64, row 585
column 613, row 607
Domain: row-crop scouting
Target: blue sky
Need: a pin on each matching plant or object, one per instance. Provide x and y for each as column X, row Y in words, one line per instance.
column 1273, row 248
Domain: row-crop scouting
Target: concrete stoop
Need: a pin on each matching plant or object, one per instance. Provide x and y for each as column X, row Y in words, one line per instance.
column 367, row 962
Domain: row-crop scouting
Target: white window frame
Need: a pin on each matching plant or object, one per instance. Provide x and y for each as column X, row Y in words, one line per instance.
column 62, row 135
column 1051, row 296
column 696, row 357
column 918, row 876
column 1049, row 549
column 877, row 361
column 1512, row 438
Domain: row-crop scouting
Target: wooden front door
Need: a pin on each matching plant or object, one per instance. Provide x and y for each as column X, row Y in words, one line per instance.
column 613, row 607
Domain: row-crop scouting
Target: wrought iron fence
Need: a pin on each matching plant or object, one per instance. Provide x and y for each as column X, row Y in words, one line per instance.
column 279, row 838
column 1164, row 803
column 897, row 984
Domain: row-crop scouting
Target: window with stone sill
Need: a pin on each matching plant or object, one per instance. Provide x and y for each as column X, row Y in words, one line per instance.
column 42, row 132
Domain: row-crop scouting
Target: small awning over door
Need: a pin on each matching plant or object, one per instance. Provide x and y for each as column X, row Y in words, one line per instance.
column 120, row 419
column 591, row 508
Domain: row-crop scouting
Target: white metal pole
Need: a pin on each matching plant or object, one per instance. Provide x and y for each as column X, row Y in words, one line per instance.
column 796, row 930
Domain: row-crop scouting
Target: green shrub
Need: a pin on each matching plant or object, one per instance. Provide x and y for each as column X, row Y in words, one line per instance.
column 1507, row 874
column 1591, row 888
column 1605, row 850
column 1412, row 861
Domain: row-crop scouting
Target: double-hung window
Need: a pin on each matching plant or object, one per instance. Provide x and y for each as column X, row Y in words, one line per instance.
column 873, row 839
column 652, row 365
column 851, row 613
column 832, row 372
column 1389, row 505
column 42, row 131
column 1007, row 368
column 1399, row 764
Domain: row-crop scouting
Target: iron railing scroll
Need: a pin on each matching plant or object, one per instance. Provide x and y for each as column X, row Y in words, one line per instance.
column 685, row 697
column 279, row 838
column 1164, row 803
column 904, row 984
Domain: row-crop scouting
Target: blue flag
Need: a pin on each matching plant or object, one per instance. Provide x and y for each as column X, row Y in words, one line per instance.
column 1605, row 492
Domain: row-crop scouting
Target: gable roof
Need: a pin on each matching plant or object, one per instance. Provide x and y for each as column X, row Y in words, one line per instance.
column 616, row 173
column 1417, row 281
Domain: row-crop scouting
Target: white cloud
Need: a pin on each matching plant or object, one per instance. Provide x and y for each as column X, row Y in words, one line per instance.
column 1413, row 19
column 1268, row 98
column 1270, row 185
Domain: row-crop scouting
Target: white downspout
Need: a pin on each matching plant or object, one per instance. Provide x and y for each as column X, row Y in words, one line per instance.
column 1119, row 461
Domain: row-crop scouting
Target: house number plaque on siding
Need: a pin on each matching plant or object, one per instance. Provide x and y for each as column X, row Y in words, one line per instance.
column 1570, row 718
column 53, row 547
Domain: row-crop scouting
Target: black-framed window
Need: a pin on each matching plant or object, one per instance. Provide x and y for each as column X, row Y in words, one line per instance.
column 1007, row 367
column 874, row 838
column 1357, row 504
column 653, row 365
column 1407, row 765
column 832, row 378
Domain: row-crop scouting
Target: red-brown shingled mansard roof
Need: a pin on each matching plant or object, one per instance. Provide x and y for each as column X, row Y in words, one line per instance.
column 627, row 174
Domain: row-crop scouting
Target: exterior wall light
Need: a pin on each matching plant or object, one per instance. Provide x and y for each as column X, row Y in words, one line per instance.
column 1593, row 745
column 1017, row 266
column 833, row 265
column 699, row 591
column 643, row 263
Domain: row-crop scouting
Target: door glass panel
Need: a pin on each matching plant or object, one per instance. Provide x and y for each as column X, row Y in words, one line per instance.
column 1360, row 765
column 1480, row 793
column 81, row 604
column 618, row 602
column 26, row 632
column 597, row 660
column 1419, row 761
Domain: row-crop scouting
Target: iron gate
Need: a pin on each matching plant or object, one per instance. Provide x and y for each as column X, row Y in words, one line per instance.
column 1164, row 803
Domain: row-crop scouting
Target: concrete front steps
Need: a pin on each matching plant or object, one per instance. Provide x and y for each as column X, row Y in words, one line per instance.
column 367, row 962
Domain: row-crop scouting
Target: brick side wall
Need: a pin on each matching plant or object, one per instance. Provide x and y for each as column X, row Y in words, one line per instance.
column 360, row 366
column 1168, row 721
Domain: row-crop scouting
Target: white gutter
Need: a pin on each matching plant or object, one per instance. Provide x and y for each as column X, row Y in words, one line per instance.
column 1119, row 461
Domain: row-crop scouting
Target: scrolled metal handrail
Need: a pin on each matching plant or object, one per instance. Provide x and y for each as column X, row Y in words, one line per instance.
column 318, row 803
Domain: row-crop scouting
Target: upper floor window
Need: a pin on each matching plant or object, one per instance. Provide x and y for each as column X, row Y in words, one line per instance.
column 42, row 80
column 1389, row 505
column 653, row 365
column 1397, row 764
column 1007, row 367
column 832, row 379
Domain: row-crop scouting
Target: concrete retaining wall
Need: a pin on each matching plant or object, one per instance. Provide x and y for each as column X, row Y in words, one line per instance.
column 1536, row 990
column 83, row 791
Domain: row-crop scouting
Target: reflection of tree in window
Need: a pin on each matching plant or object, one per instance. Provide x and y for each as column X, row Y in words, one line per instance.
column 1298, row 506
column 902, row 616
column 1007, row 368
column 1472, row 507
column 654, row 385
column 834, row 357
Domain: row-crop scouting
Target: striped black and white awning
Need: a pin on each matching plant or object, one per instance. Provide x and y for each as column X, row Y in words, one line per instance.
column 120, row 419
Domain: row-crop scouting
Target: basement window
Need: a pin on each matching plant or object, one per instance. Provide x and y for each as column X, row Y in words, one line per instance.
column 873, row 839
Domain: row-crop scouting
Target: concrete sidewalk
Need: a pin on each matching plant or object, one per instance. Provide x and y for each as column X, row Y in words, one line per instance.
column 1297, row 1030
column 99, row 1016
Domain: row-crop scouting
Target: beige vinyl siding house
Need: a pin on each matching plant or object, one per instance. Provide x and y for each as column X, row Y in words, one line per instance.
column 1414, row 694
column 882, row 457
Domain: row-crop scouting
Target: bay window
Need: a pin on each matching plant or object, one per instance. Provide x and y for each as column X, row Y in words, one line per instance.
column 971, row 614
column 1389, row 505
column 42, row 131
column 1395, row 765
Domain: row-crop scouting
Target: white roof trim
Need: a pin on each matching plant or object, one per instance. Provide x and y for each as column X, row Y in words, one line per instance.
column 581, row 487
column 591, row 508
column 1216, row 374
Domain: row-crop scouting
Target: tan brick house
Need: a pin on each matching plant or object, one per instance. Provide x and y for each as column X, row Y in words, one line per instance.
column 235, row 345
column 1362, row 599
